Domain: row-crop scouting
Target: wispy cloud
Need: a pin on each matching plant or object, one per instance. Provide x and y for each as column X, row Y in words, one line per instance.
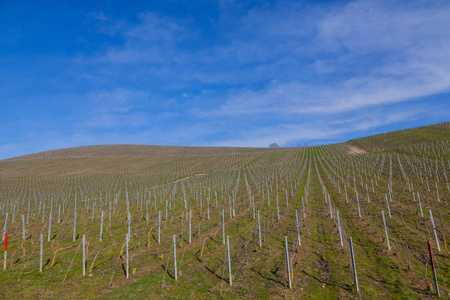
column 370, row 53
column 367, row 54
column 112, row 109
column 316, row 131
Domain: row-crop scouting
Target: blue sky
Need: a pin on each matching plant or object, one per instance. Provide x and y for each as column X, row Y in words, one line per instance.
column 218, row 73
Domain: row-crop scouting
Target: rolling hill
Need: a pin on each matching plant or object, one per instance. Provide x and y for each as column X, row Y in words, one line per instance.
column 219, row 222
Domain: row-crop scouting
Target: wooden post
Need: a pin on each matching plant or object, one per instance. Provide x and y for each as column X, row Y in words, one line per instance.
column 340, row 231
column 129, row 224
column 4, row 228
column 420, row 204
column 49, row 227
column 304, row 212
column 229, row 260
column 437, row 192
column 329, row 202
column 435, row 232
column 298, row 228
column 359, row 209
column 23, row 227
column 223, row 226
column 229, row 200
column 430, row 251
column 166, row 209
column 159, row 227
column 43, row 212
column 259, row 231
column 101, row 227
column 127, row 270
column 207, row 206
column 190, row 226
column 253, row 206
column 385, row 230
column 387, row 204
column 40, row 253
column 355, row 276
column 28, row 212
column 84, row 254
column 278, row 209
column 287, row 262
column 175, row 256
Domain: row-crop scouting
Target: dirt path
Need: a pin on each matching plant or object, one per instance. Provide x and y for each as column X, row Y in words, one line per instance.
column 178, row 180
column 186, row 178
column 353, row 150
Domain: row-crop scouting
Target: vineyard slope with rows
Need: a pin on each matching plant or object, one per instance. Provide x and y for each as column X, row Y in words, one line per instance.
column 128, row 221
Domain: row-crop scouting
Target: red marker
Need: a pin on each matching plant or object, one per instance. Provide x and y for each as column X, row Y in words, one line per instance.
column 433, row 269
column 6, row 247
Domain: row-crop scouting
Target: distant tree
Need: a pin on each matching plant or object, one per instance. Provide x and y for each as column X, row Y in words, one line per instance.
column 274, row 145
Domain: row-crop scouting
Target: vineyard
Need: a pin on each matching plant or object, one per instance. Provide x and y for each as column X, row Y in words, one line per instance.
column 348, row 220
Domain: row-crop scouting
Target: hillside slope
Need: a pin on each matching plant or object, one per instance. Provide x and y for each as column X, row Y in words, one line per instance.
column 135, row 150
column 407, row 137
column 187, row 202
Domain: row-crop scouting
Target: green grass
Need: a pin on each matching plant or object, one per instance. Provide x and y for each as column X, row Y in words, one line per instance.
column 321, row 267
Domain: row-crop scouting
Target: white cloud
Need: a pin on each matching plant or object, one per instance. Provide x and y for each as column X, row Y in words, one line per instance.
column 281, row 134
column 152, row 40
column 112, row 109
column 298, row 133
column 98, row 15
column 376, row 53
